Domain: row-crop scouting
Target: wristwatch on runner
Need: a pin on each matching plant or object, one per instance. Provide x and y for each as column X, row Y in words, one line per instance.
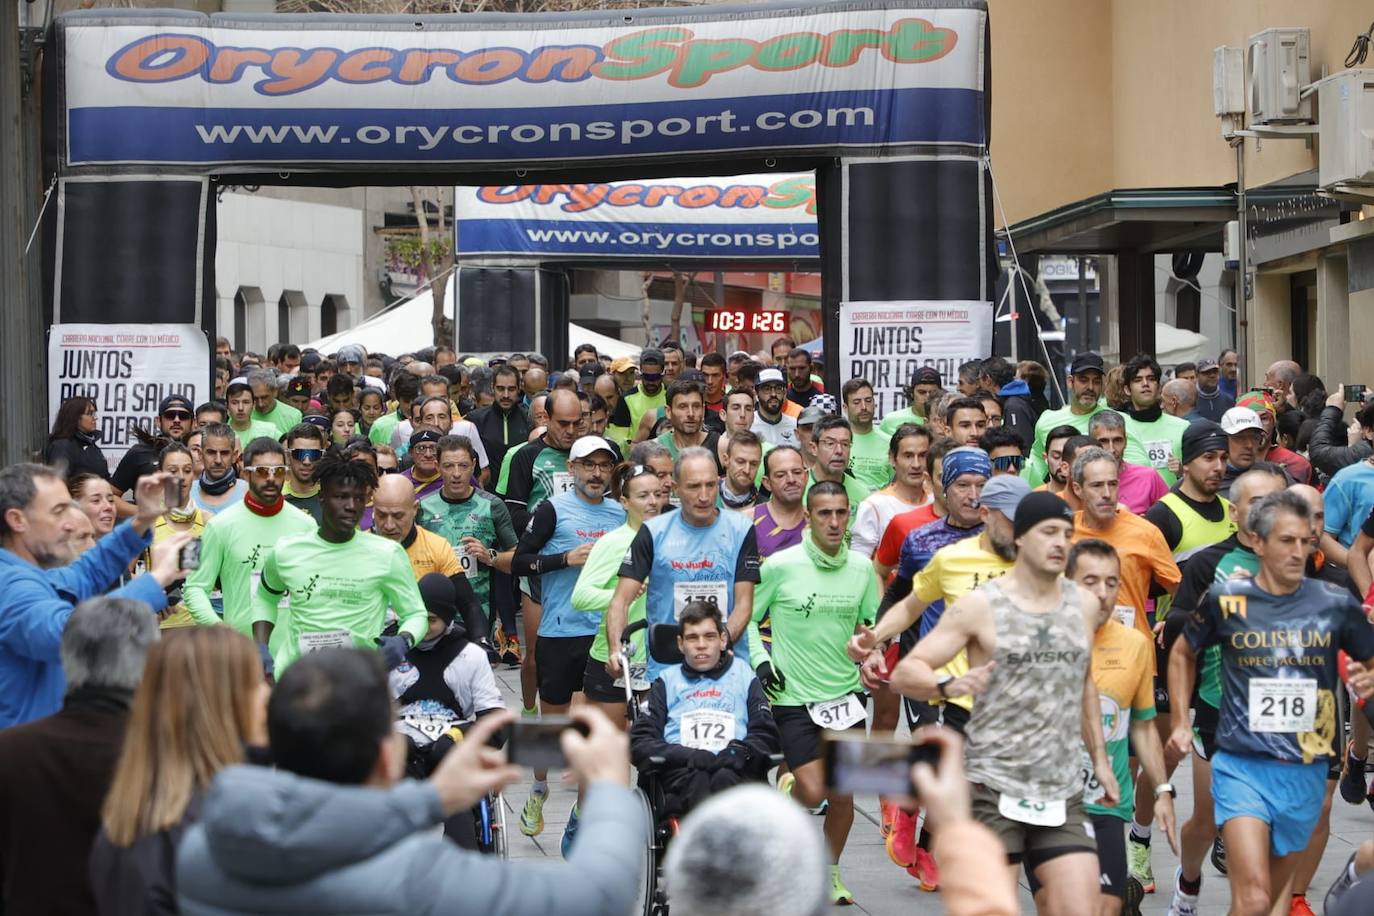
column 1165, row 787
column 491, row 555
column 942, row 683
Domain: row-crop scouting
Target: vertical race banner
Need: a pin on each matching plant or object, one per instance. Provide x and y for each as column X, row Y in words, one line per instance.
column 127, row 369
column 886, row 342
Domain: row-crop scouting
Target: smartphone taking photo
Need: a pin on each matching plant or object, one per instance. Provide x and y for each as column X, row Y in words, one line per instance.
column 535, row 743
column 856, row 764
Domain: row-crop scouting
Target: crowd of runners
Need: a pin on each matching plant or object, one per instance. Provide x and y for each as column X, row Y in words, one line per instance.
column 1064, row 605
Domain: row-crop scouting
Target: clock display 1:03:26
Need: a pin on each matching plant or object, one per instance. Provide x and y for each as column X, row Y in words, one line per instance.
column 747, row 320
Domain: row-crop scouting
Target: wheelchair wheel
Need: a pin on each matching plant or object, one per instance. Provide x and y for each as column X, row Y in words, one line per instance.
column 649, row 891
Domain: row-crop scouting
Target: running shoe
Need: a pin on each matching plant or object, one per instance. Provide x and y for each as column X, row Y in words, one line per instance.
column 819, row 810
column 925, row 870
column 1182, row 904
column 901, row 842
column 1138, row 864
column 839, row 894
column 885, row 825
column 1219, row 854
column 510, row 652
column 1299, row 906
column 786, row 782
column 1354, row 787
column 532, row 815
column 1340, row 885
column 493, row 654
column 569, row 832
column 1135, row 895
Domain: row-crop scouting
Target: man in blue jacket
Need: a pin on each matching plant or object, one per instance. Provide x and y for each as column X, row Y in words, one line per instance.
column 37, row 592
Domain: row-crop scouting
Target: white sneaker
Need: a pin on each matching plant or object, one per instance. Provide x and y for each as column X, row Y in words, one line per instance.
column 1182, row 904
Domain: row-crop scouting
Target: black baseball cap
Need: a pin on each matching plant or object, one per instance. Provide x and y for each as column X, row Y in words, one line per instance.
column 927, row 375
column 1087, row 362
column 423, row 435
column 176, row 400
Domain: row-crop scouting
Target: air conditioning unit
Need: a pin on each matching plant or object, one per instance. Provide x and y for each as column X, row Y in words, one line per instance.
column 1278, row 66
column 1346, row 106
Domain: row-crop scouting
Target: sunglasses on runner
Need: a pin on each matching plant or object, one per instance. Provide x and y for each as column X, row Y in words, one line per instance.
column 388, row 470
column 176, row 415
column 307, row 454
column 650, row 376
column 1009, row 463
column 275, row 471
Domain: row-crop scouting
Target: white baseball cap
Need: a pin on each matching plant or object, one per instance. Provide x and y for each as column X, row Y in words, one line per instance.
column 1239, row 419
column 589, row 445
column 770, row 376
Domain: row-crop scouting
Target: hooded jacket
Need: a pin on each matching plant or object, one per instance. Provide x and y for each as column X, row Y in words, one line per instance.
column 273, row 842
column 1018, row 413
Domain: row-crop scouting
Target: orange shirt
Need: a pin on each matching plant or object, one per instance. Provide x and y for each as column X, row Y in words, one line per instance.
column 1145, row 558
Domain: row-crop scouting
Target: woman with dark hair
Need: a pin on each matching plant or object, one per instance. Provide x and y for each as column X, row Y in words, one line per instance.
column 71, row 446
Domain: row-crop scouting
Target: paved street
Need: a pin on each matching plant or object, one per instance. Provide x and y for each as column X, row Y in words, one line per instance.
column 882, row 889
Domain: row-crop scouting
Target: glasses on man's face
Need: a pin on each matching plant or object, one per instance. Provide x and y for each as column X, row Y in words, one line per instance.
column 425, row 448
column 602, row 466
column 264, row 472
column 650, row 376
column 307, row 454
column 388, row 470
column 1009, row 463
column 182, row 415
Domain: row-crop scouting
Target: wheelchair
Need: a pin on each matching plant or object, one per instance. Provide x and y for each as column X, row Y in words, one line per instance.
column 662, row 647
column 488, row 816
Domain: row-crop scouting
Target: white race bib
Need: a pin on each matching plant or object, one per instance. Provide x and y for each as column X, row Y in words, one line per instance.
column 707, row 730
column 324, row 639
column 1287, row 704
column 714, row 591
column 837, row 715
column 1158, row 453
column 465, row 560
column 1093, row 791
column 1125, row 615
column 639, row 677
column 562, row 482
column 1032, row 811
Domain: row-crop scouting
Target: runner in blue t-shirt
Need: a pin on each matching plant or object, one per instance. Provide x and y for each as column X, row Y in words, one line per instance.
column 1279, row 634
column 554, row 547
column 696, row 553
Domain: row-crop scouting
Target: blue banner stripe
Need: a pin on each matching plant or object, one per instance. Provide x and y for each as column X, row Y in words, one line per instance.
column 637, row 239
column 268, row 135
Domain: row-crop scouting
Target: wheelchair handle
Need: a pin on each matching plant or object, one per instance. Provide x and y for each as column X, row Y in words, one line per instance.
column 632, row 629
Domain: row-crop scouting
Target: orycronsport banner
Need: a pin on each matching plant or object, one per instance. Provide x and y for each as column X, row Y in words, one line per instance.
column 739, row 218
column 195, row 92
column 127, row 369
column 886, row 342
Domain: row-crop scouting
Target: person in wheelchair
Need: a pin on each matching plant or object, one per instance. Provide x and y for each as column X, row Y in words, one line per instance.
column 443, row 686
column 707, row 719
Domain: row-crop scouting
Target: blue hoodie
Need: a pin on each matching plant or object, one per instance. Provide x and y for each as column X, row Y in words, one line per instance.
column 1018, row 413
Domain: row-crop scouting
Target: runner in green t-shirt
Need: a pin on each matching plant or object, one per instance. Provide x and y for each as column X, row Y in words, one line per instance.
column 868, row 450
column 266, row 407
column 1153, row 437
column 237, row 540
column 830, row 448
column 475, row 522
column 926, row 386
column 816, row 595
column 1087, row 381
column 340, row 581
column 239, row 398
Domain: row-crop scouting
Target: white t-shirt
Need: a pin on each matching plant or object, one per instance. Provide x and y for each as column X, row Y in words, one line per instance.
column 468, row 676
column 873, row 516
